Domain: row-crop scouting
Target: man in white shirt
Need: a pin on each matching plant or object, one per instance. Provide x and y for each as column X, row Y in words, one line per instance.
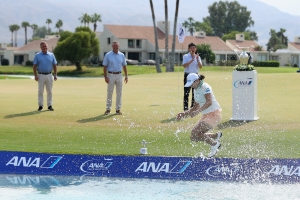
column 191, row 63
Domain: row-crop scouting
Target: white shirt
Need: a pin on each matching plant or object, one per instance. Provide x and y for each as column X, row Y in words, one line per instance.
column 193, row 67
column 199, row 96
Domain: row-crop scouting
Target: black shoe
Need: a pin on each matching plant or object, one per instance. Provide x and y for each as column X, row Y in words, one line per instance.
column 50, row 108
column 40, row 108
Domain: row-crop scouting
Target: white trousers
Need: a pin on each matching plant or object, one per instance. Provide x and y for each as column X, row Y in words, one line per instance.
column 45, row 80
column 114, row 79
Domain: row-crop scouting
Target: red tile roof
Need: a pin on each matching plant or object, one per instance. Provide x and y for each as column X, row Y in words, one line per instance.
column 147, row 33
column 245, row 43
column 35, row 45
column 296, row 45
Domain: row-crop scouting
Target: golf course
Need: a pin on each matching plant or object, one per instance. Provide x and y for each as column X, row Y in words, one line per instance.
column 150, row 103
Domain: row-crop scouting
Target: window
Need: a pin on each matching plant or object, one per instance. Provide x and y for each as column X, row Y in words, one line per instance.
column 130, row 43
column 262, row 57
column 108, row 40
column 152, row 56
column 138, row 43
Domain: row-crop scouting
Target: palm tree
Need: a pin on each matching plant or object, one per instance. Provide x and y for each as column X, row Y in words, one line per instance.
column 94, row 19
column 185, row 24
column 167, row 38
column 191, row 25
column 34, row 27
column 11, row 28
column 48, row 21
column 16, row 28
column 172, row 58
column 25, row 25
column 85, row 19
column 158, row 69
column 58, row 25
column 280, row 34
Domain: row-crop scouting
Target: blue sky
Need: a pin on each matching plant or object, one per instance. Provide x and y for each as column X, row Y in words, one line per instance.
column 288, row 6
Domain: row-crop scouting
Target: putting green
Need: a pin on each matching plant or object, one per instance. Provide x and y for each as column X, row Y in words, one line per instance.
column 150, row 102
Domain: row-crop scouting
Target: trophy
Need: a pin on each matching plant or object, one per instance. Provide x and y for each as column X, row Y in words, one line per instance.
column 143, row 150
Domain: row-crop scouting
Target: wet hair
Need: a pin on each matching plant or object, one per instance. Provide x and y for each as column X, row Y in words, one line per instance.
column 201, row 77
column 191, row 44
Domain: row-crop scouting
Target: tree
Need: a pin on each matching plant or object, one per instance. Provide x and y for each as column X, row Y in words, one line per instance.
column 172, row 57
column 158, row 69
column 204, row 26
column 58, row 25
column 41, row 32
column 25, row 25
column 77, row 46
column 11, row 28
column 48, row 21
column 94, row 19
column 206, row 53
column 34, row 27
column 190, row 25
column 247, row 35
column 276, row 41
column 185, row 24
column 283, row 39
column 85, row 19
column 16, row 27
column 225, row 17
column 167, row 62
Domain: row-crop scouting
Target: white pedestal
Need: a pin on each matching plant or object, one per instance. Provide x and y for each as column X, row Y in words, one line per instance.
column 244, row 95
column 143, row 151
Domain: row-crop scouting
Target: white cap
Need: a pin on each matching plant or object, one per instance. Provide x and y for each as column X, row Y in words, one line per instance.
column 190, row 79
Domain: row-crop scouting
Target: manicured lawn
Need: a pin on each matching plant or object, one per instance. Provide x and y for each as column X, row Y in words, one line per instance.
column 150, row 103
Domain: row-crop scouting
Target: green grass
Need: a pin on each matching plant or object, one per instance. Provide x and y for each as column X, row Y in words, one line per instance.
column 90, row 71
column 150, row 103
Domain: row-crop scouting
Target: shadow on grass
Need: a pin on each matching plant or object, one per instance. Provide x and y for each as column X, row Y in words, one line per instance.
column 97, row 118
column 23, row 114
column 233, row 123
column 173, row 119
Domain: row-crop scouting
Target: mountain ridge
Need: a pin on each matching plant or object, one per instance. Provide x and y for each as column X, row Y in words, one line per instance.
column 132, row 12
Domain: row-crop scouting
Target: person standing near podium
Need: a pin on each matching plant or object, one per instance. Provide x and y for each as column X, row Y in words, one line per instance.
column 191, row 63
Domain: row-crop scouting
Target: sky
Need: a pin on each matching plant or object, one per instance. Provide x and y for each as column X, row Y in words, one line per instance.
column 288, row 6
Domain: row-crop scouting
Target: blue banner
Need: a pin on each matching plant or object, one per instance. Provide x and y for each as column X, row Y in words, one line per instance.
column 181, row 168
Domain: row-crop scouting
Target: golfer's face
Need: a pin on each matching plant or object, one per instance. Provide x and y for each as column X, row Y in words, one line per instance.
column 194, row 84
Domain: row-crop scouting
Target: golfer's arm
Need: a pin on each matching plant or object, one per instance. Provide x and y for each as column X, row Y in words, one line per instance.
column 207, row 103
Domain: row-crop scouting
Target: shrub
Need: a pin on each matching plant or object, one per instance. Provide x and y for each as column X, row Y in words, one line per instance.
column 4, row 61
column 295, row 65
column 29, row 63
column 266, row 63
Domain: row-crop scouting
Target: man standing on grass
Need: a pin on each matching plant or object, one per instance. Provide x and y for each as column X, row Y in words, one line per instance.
column 113, row 63
column 43, row 64
column 191, row 63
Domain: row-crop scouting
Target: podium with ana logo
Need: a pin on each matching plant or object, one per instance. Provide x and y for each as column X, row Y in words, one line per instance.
column 244, row 95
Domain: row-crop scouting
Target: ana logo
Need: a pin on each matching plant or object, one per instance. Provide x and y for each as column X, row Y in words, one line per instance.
column 163, row 167
column 285, row 170
column 243, row 83
column 34, row 162
column 92, row 166
column 224, row 170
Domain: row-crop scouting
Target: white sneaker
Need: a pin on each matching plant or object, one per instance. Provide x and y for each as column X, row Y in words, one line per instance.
column 219, row 135
column 214, row 149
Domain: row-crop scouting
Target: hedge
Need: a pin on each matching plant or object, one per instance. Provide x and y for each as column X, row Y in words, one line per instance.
column 266, row 63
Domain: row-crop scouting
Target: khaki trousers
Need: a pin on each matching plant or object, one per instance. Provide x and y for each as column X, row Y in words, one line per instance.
column 114, row 79
column 45, row 80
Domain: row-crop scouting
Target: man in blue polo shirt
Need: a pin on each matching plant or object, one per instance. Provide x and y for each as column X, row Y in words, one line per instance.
column 113, row 63
column 43, row 64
